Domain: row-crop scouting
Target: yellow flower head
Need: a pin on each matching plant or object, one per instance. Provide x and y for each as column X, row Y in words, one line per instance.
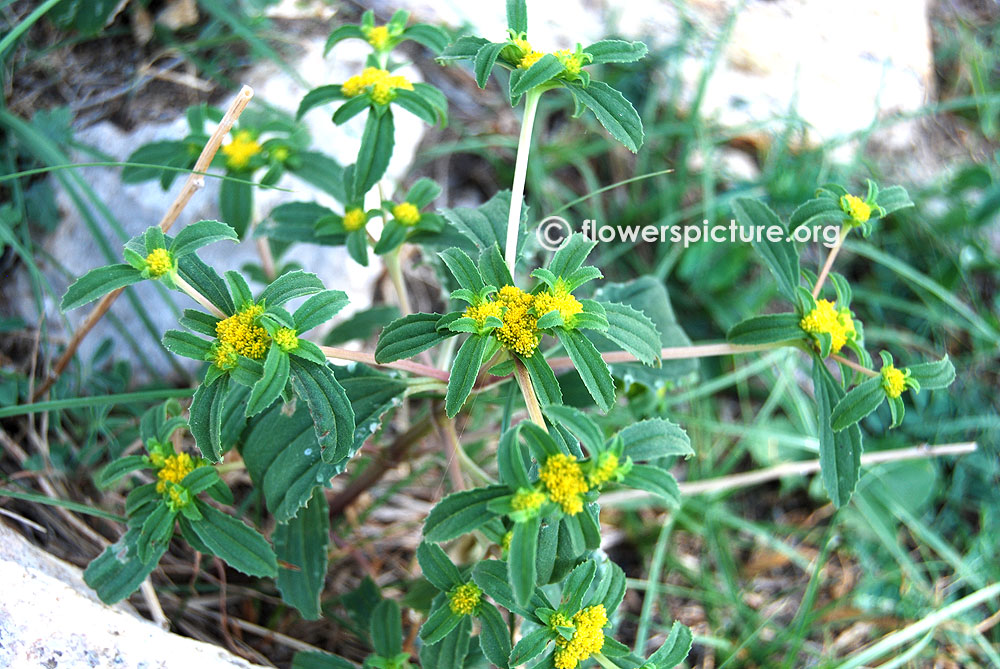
column 159, row 263
column 607, row 467
column 378, row 36
column 239, row 151
column 893, row 381
column 588, row 638
column 355, row 219
column 243, row 334
column 529, row 59
column 505, row 541
column 826, row 318
column 558, row 299
column 483, row 311
column 519, row 332
column 464, row 599
column 281, row 154
column 175, row 468
column 859, row 210
column 286, row 339
column 564, row 480
column 178, row 497
column 223, row 355
column 527, row 500
column 379, row 84
column 406, row 213
column 571, row 61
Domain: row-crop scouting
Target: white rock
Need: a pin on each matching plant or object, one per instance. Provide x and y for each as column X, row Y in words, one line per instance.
column 72, row 628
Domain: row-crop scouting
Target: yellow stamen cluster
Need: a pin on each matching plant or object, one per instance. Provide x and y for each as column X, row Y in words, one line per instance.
column 530, row 59
column 558, row 299
column 859, row 210
column 588, row 638
column 355, row 219
column 564, row 480
column 286, row 339
column 464, row 599
column 175, row 468
column 159, row 262
column 519, row 332
column 527, row 500
column 607, row 467
column 893, row 381
column 177, row 497
column 378, row 36
column 505, row 540
column 379, row 84
column 281, row 154
column 239, row 151
column 406, row 213
column 571, row 62
column 243, row 334
column 224, row 355
column 481, row 312
column 826, row 318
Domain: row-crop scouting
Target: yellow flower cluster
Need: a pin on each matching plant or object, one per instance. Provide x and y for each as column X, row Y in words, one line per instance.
column 893, row 381
column 379, row 84
column 528, row 54
column 527, row 500
column 286, row 339
column 464, row 599
column 239, row 151
column 564, row 480
column 519, row 332
column 607, row 467
column 178, row 497
column 406, row 213
column 558, row 299
column 243, row 334
column 481, row 312
column 835, row 322
column 224, row 355
column 355, row 219
column 859, row 210
column 588, row 638
column 159, row 262
column 175, row 468
column 505, row 540
column 378, row 36
column 571, row 62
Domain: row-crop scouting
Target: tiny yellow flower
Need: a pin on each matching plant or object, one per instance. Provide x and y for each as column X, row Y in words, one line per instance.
column 893, row 381
column 378, row 37
column 859, row 210
column 159, row 263
column 223, row 355
column 379, row 84
column 239, row 151
column 519, row 332
column 355, row 219
column 178, row 497
column 607, row 467
column 175, row 468
column 281, row 154
column 588, row 638
column 241, row 331
column 527, row 500
column 529, row 59
column 505, row 541
column 826, row 318
column 564, row 480
column 406, row 213
column 483, row 311
column 286, row 339
column 464, row 599
column 558, row 299
column 571, row 61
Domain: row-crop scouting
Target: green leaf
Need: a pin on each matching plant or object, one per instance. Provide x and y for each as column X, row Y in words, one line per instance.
column 320, row 96
column 521, row 559
column 321, row 171
column 308, row 659
column 156, row 532
column 494, row 637
column 236, row 202
column 202, row 233
column 270, row 386
column 289, row 286
column 571, row 255
column 319, row 309
column 238, row 544
column 839, row 452
column 932, row 375
column 893, row 199
column 612, row 588
column 486, row 58
column 167, row 153
column 117, row 572
column 206, row 418
column 437, row 568
column 615, row 113
column 460, row 513
column 781, row 256
column 187, row 344
column 301, row 543
column 333, row 418
column 530, row 646
column 408, row 336
column 119, row 468
column 486, row 225
column 543, row 379
column 654, row 480
column 491, row 576
column 432, row 37
column 463, row 269
column 464, row 48
column 591, row 367
column 418, row 105
column 675, row 649
column 547, row 67
column 97, row 283
column 633, row 331
column 206, row 281
column 654, row 438
column 377, row 143
column 616, row 51
column 769, row 329
column 817, row 210
column 350, row 109
column 517, row 16
column 451, row 651
column 579, row 424
column 575, row 585
column 387, row 629
column 858, row 403
column 464, row 371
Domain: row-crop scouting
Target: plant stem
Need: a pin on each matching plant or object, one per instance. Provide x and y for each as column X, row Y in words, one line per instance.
column 530, row 398
column 368, row 359
column 605, row 662
column 853, row 365
column 520, row 175
column 677, row 353
column 829, row 261
column 395, row 271
column 191, row 292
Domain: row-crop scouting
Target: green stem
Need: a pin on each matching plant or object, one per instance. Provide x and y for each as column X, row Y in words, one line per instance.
column 395, row 271
column 23, row 26
column 530, row 398
column 605, row 662
column 828, row 265
column 520, row 175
